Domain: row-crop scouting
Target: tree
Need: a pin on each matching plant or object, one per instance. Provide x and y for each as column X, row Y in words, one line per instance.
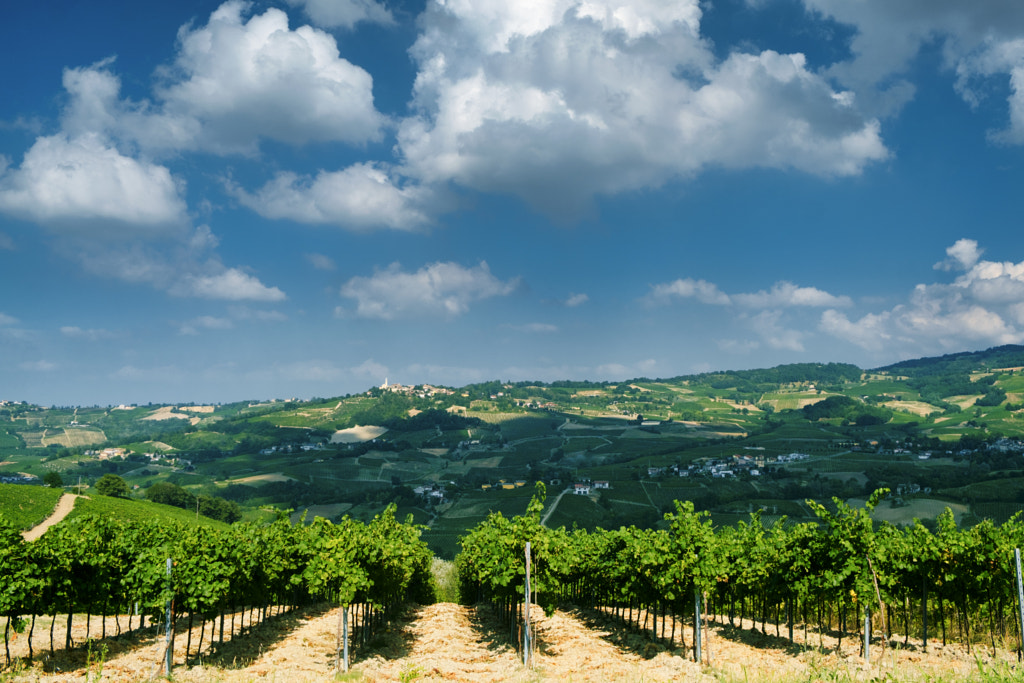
column 112, row 485
column 53, row 480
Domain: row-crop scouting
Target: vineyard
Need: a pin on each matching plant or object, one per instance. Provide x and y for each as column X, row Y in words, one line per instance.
column 671, row 603
column 845, row 576
column 159, row 573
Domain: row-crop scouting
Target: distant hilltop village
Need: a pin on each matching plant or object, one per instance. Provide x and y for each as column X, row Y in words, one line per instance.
column 420, row 390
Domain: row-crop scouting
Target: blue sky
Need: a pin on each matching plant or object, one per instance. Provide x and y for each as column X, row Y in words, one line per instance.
column 211, row 202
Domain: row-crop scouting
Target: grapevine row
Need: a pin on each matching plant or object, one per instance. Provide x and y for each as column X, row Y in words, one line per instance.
column 912, row 581
column 99, row 566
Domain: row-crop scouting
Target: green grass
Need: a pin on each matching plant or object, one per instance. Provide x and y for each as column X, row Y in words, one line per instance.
column 139, row 510
column 26, row 506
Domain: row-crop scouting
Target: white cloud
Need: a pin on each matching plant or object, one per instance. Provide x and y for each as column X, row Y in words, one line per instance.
column 961, row 256
column 321, row 262
column 559, row 100
column 688, row 288
column 233, row 82
column 786, row 294
column 259, row 315
column 205, row 322
column 445, row 289
column 83, row 179
column 38, row 366
column 979, row 40
column 983, row 305
column 363, row 196
column 344, row 13
column 231, row 284
column 575, row 300
column 244, row 80
column 782, row 295
column 182, row 265
column 74, row 332
column 9, row 329
column 870, row 332
column 768, row 324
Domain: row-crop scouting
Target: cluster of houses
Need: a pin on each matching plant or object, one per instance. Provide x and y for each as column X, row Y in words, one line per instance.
column 724, row 468
column 432, row 493
column 18, row 479
column 108, row 453
column 534, row 405
column 294, row 448
column 583, row 488
column 504, row 484
column 1009, row 445
column 911, row 489
column 420, row 391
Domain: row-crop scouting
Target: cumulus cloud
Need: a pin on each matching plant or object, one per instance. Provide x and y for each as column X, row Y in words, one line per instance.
column 65, row 180
column 785, row 294
column 75, row 332
column 782, row 295
column 979, row 40
column 233, row 82
column 9, row 329
column 109, row 206
column 362, row 196
column 259, row 315
column 982, row 305
column 559, row 100
column 242, row 80
column 321, row 262
column 205, row 322
column 575, row 300
column 775, row 315
column 231, row 284
column 869, row 332
column 344, row 13
column 688, row 288
column 768, row 325
column 962, row 255
column 442, row 288
column 182, row 264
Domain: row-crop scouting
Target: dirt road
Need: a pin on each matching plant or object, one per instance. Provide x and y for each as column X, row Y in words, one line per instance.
column 63, row 509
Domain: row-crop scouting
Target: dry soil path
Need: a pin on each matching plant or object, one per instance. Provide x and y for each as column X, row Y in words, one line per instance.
column 448, row 642
column 63, row 509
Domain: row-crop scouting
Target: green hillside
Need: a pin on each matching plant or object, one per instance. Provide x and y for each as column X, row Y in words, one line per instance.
column 26, row 506
column 944, row 430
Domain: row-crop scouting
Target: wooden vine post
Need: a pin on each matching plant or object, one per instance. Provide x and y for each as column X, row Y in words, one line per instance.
column 169, row 655
column 1020, row 600
column 527, row 658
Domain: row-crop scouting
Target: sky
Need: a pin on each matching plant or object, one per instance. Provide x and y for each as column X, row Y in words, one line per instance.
column 213, row 202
